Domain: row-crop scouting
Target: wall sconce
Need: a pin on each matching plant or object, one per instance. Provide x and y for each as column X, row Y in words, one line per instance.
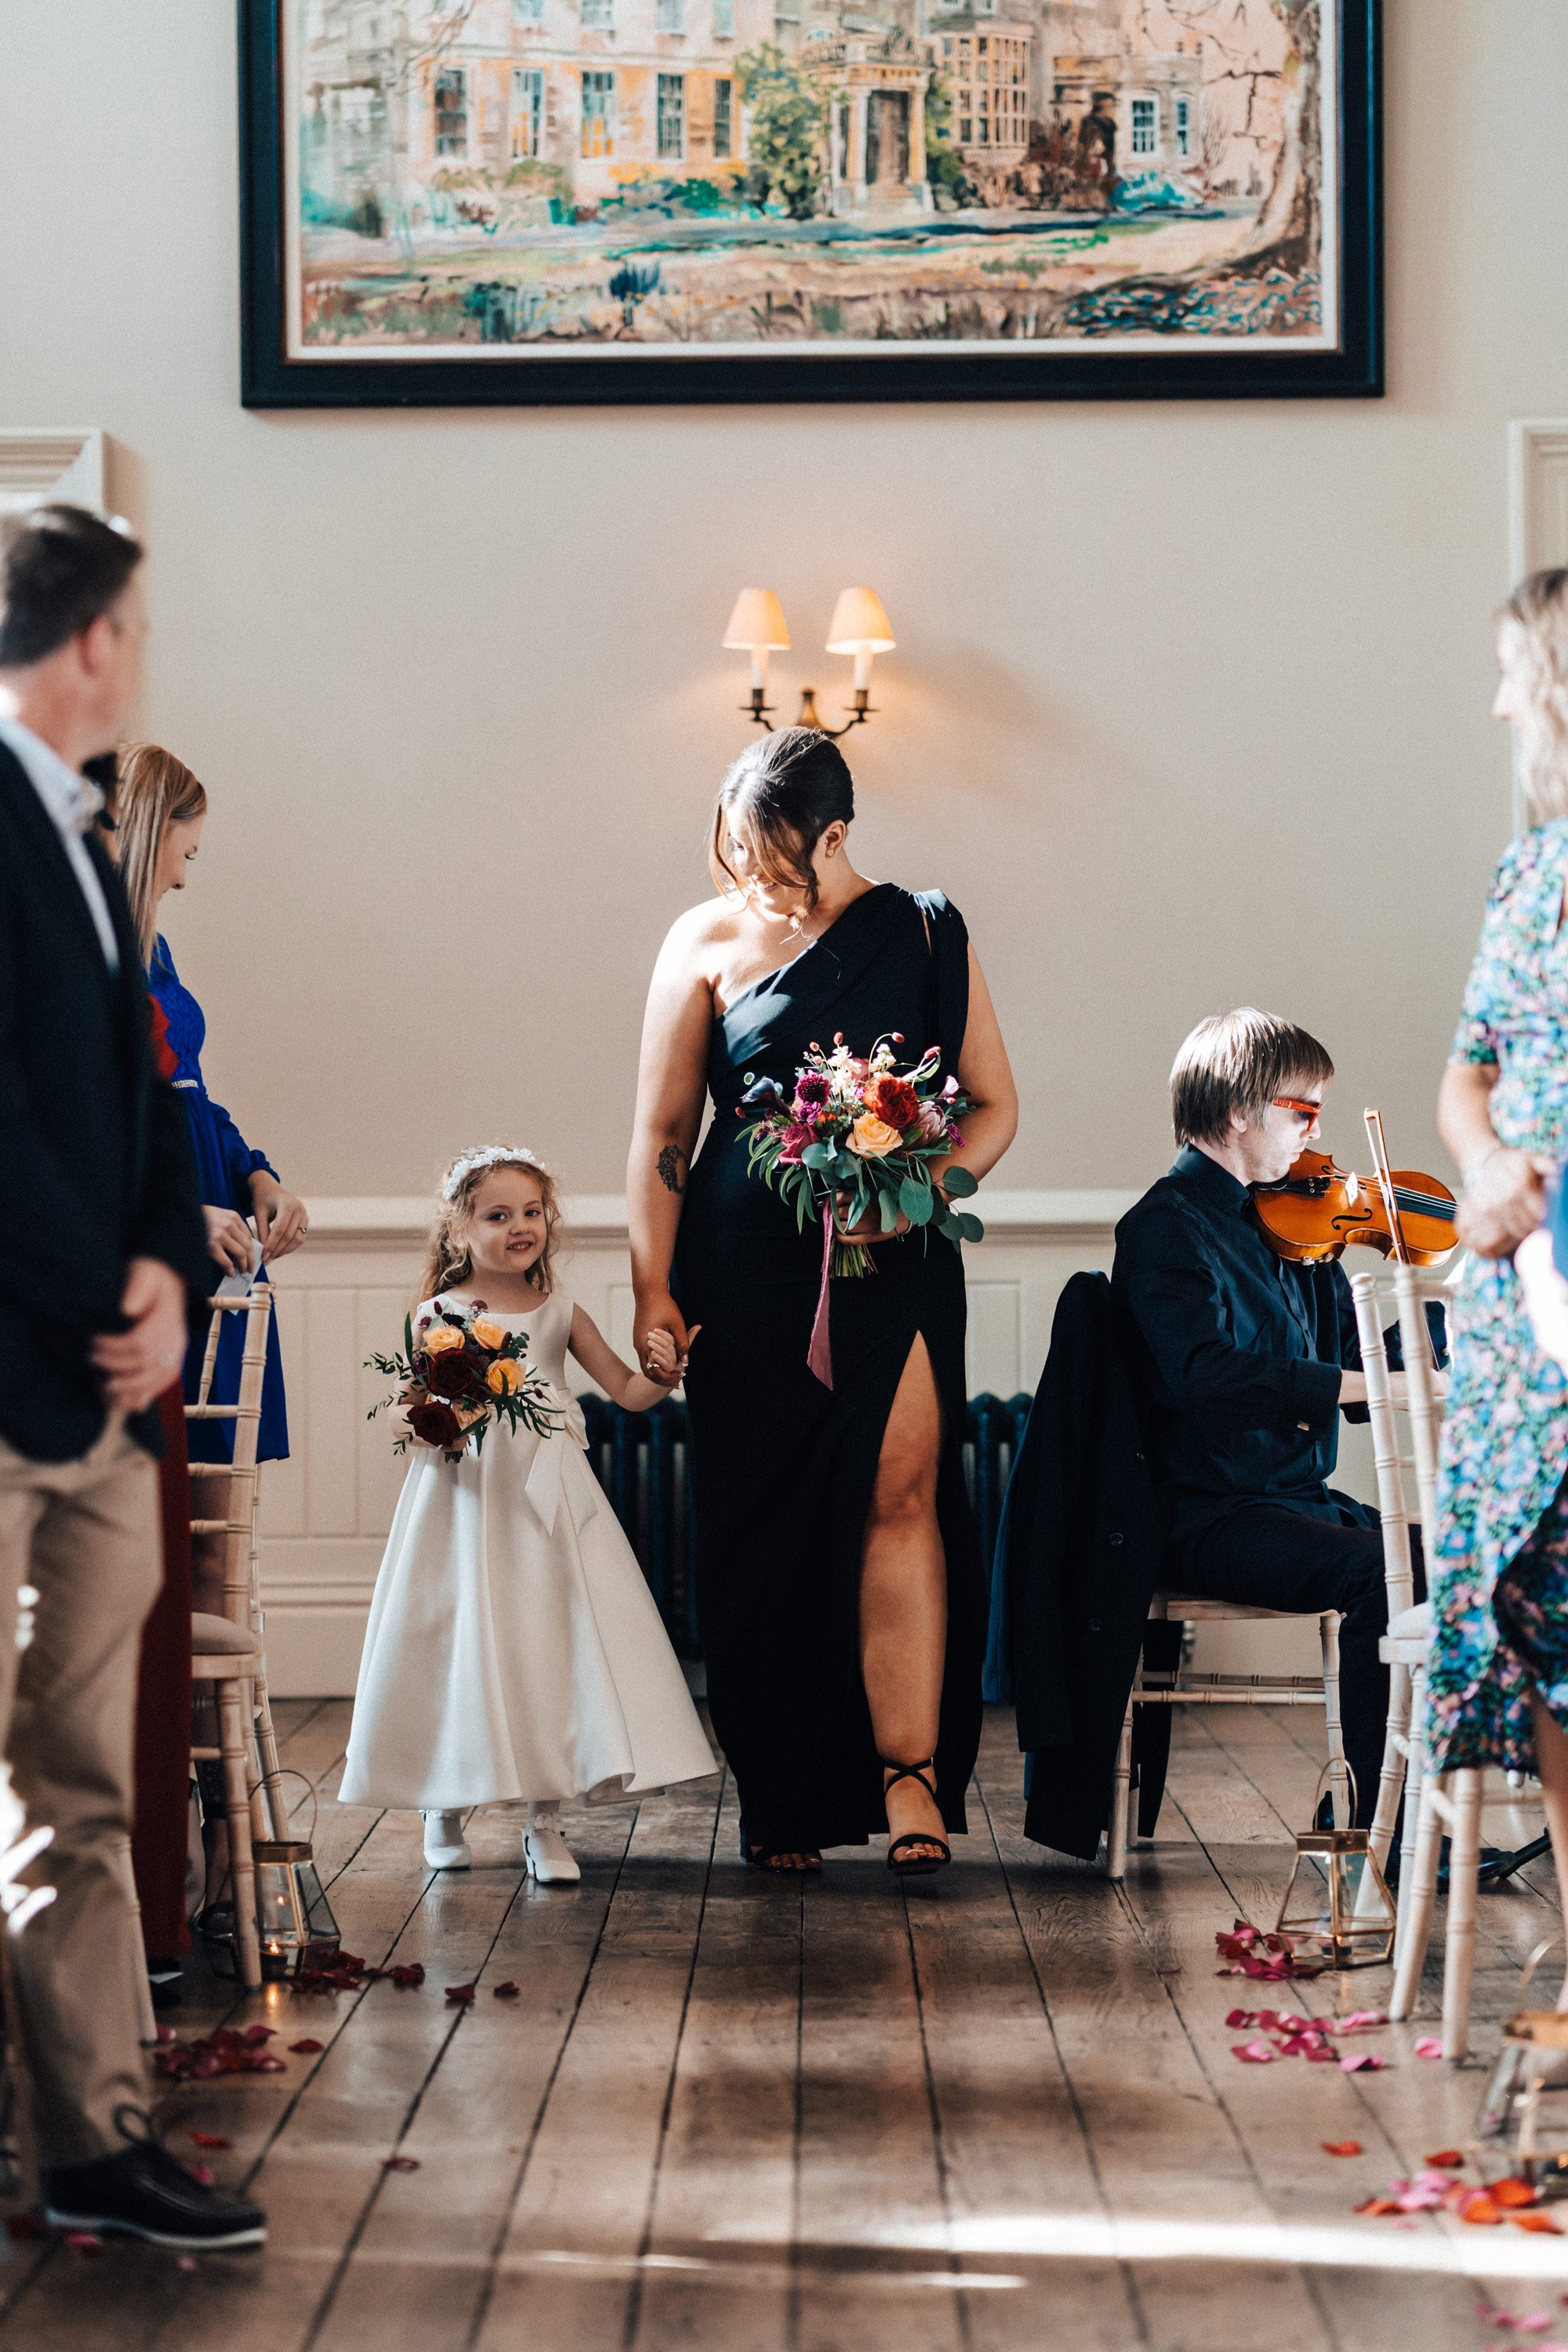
column 859, row 627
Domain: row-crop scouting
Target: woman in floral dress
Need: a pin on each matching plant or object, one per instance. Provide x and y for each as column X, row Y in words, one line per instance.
column 1499, row 1671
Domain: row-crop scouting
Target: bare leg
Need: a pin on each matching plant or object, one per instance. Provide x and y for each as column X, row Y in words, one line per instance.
column 903, row 1596
column 209, row 1501
column 1551, row 1764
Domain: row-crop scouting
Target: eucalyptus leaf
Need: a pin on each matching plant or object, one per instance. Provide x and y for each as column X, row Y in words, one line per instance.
column 915, row 1200
column 889, row 1204
column 970, row 1228
column 818, row 1155
column 958, row 1183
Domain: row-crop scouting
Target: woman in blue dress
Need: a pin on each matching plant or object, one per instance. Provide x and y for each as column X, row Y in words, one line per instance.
column 1498, row 1679
column 161, row 811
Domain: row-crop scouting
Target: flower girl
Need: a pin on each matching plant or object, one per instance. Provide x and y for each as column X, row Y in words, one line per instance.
column 514, row 1652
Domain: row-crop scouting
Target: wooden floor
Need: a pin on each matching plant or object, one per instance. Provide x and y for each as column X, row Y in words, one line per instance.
column 994, row 2110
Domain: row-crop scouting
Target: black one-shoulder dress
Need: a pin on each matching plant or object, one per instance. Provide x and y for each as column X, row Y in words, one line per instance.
column 782, row 1467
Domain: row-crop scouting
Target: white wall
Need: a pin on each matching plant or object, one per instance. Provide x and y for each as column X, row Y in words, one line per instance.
column 1189, row 705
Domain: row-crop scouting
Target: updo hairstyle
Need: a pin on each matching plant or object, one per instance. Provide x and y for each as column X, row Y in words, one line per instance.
column 779, row 798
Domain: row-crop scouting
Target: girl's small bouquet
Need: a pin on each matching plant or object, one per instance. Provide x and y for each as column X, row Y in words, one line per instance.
column 461, row 1374
column 858, row 1135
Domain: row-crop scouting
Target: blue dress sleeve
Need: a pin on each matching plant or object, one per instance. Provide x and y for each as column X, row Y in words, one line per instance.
column 238, row 1159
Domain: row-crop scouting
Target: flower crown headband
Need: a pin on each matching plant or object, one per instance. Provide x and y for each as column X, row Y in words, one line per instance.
column 493, row 1155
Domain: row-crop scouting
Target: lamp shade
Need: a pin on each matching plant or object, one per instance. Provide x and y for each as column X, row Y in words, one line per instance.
column 757, row 620
column 859, row 625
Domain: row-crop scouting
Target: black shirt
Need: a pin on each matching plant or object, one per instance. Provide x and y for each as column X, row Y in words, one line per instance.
column 1236, row 1353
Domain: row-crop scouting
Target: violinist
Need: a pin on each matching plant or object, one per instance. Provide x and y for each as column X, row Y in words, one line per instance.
column 1243, row 1362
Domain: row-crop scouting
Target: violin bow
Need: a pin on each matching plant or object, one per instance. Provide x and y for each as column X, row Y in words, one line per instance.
column 1385, row 1183
column 1391, row 1204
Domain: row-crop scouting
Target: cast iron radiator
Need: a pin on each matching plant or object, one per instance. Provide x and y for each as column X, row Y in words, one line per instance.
column 639, row 1459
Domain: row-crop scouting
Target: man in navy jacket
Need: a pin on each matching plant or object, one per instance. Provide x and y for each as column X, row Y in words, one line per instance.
column 101, row 1243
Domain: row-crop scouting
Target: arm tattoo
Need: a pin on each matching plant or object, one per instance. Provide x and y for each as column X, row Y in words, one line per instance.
column 671, row 1164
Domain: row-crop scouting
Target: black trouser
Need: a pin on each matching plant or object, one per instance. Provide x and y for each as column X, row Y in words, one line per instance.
column 1275, row 1558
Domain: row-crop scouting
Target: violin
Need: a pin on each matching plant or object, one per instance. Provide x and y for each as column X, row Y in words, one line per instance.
column 1318, row 1209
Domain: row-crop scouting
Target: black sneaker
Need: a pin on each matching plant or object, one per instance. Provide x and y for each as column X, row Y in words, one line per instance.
column 142, row 2192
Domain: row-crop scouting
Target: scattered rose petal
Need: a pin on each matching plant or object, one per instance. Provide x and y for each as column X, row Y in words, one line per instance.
column 400, row 2164
column 222, row 2052
column 1237, row 2017
column 1341, row 2146
column 1172, row 1970
column 1541, row 2223
column 185, row 2263
column 1430, row 2046
column 1359, row 2021
column 210, row 2139
column 1480, row 2209
column 408, row 1972
column 1447, row 2160
column 306, row 2049
column 202, row 2173
column 84, row 2242
column 1252, row 2053
column 507, row 1991
column 1377, row 2205
column 163, row 2033
column 460, row 1995
column 1365, row 2062
column 1513, row 2192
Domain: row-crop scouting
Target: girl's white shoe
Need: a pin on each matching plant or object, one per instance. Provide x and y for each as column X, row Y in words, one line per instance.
column 548, row 1857
column 445, row 1846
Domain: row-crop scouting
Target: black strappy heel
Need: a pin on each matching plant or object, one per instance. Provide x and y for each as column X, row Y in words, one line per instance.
column 766, row 1858
column 918, row 1866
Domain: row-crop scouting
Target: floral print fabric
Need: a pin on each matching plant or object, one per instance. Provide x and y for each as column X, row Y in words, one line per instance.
column 1501, row 1507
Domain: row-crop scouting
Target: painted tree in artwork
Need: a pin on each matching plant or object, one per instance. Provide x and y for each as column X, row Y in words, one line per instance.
column 787, row 125
column 1290, row 224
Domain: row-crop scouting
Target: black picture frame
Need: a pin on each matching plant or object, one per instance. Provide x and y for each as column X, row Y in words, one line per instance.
column 270, row 378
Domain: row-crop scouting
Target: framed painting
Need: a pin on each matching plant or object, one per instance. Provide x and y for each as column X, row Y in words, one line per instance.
column 566, row 201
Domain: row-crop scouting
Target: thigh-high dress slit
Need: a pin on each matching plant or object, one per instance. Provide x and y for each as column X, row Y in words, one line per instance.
column 784, row 1467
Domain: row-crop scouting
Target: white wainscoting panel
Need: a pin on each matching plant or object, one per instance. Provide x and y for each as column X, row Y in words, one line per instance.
column 326, row 1511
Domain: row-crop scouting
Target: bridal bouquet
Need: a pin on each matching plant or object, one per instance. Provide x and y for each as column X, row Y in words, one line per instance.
column 461, row 1374
column 858, row 1135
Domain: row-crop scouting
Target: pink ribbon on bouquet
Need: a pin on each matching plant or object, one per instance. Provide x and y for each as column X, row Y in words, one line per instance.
column 819, row 1355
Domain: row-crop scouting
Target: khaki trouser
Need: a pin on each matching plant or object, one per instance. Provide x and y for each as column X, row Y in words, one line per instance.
column 85, row 1533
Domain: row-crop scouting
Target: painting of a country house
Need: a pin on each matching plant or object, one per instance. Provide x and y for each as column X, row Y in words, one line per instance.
column 481, row 175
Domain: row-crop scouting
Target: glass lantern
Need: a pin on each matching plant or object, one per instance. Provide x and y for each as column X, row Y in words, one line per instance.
column 1511, row 2120
column 293, row 1918
column 1337, row 1906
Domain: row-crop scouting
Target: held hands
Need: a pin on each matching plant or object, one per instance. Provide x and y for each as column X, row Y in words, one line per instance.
column 139, row 1364
column 280, row 1219
column 661, row 1340
column 1503, row 1201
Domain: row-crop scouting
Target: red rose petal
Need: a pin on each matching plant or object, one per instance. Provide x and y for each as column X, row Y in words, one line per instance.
column 1341, row 2147
column 460, row 1995
column 400, row 2164
column 306, row 2049
column 210, row 2139
column 1447, row 2160
column 507, row 1991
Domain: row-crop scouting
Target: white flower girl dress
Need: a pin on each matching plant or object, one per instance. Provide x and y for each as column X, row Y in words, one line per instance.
column 514, row 1652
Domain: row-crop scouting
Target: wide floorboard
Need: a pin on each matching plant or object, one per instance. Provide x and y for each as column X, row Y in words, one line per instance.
column 996, row 2109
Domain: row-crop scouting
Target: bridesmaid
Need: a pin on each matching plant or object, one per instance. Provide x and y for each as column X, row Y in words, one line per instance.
column 162, row 808
column 839, row 1583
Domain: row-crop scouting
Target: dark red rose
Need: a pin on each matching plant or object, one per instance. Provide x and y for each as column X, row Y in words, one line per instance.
column 894, row 1100
column 450, row 1374
column 434, row 1424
